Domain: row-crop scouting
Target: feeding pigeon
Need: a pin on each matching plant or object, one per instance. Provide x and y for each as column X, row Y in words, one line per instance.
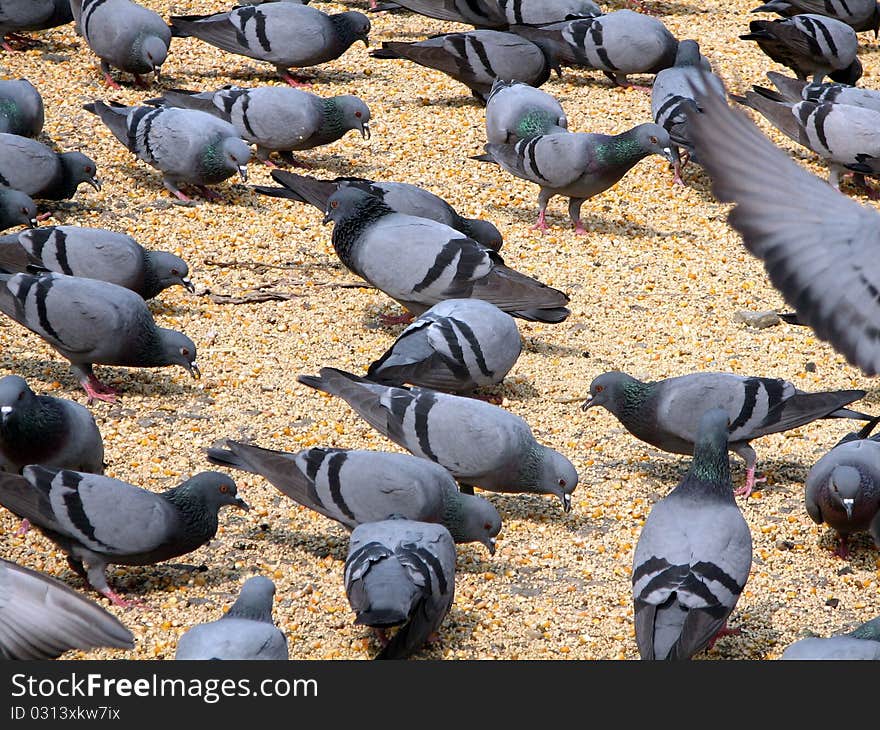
column 500, row 14
column 21, row 108
column 93, row 322
column 40, row 171
column 858, row 14
column 810, row 44
column 440, row 263
column 795, row 90
column 41, row 618
column 693, row 555
column 265, row 32
column 278, row 119
column 400, row 197
column 245, row 631
column 579, row 165
column 353, row 487
column 16, row 209
column 665, row 413
column 480, row 444
column 400, row 573
column 455, row 346
column 28, row 15
column 479, row 57
column 99, row 521
column 515, row 111
column 187, row 146
column 863, row 642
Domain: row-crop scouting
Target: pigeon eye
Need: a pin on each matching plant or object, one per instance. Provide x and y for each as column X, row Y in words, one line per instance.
column 24, row 210
column 357, row 114
column 184, row 351
column 224, row 489
column 600, row 388
column 174, row 272
column 487, row 526
column 334, row 204
column 88, row 168
column 562, row 483
column 652, row 140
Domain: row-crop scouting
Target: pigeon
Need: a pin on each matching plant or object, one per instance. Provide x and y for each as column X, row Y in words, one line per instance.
column 665, row 413
column 93, row 322
column 21, row 108
column 28, row 15
column 860, row 15
column 245, row 631
column 41, row 172
column 479, row 57
column 810, row 44
column 579, row 165
column 618, row 44
column 480, row 444
column 353, row 487
column 440, row 262
column 40, row 429
column 400, row 573
column 456, row 346
column 515, row 111
column 264, row 32
column 862, row 643
column 187, row 146
column 278, row 119
column 501, row 14
column 693, row 555
column 94, row 253
column 123, row 35
column 16, row 209
column 795, row 90
column 400, row 197
column 99, row 521
column 41, row 618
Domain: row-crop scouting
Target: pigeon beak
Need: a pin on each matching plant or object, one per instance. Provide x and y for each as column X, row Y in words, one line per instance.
column 95, row 183
column 587, row 404
column 566, row 502
column 32, row 223
column 6, row 411
column 558, row 69
column 366, row 41
column 365, row 130
column 157, row 73
column 241, row 504
column 847, row 504
column 327, row 218
column 242, row 170
column 194, row 370
column 490, row 544
column 188, row 285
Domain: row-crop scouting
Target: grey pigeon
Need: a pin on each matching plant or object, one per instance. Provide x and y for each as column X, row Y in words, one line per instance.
column 858, row 14
column 99, row 521
column 810, row 45
column 400, row 573
column 245, row 631
column 579, row 165
column 93, row 322
column 862, row 643
column 400, row 197
column 40, row 171
column 795, row 90
column 515, row 111
column 124, row 35
column 16, row 209
column 479, row 57
column 456, row 346
column 21, row 108
column 693, row 555
column 94, row 253
column 440, row 262
column 27, row 15
column 354, row 486
column 480, row 444
column 500, row 14
column 187, row 146
column 41, row 618
column 40, row 429
column 665, row 413
column 278, row 119
column 264, row 32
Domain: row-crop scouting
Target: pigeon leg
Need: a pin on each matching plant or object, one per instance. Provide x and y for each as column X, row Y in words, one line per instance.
column 97, row 579
column 293, row 80
column 392, row 319
column 574, row 212
column 175, row 191
column 381, row 636
column 140, row 82
column 722, row 632
column 23, row 528
column 842, row 550
column 96, row 390
column 108, row 79
column 77, row 567
column 746, row 452
column 210, row 194
column 624, row 83
column 541, row 225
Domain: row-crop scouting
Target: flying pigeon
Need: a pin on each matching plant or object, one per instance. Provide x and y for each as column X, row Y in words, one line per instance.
column 16, row 209
column 21, row 108
column 860, row 15
column 515, row 111
column 862, row 642
column 41, row 172
column 501, row 14
column 28, row 15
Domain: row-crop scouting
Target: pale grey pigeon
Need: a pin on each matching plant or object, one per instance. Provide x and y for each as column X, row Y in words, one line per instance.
column 21, row 108
column 187, row 146
column 93, row 322
column 16, row 209
column 40, row 171
column 440, row 262
column 27, row 15
column 41, row 618
column 264, row 32
column 861, row 643
column 246, row 631
column 99, row 521
column 665, row 413
column 860, row 15
column 500, row 14
column 795, row 90
column 400, row 573
column 353, row 486
column 480, row 444
column 693, row 555
column 515, row 111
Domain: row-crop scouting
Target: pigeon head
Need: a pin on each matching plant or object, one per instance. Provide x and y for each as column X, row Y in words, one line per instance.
column 849, row 75
column 14, row 396
column 556, row 475
column 16, row 208
column 165, row 269
column 483, row 232
column 870, row 630
column 609, row 390
column 255, row 600
column 211, row 490
column 151, row 53
column 551, row 55
column 474, row 520
column 355, row 114
column 688, row 54
column 352, row 26
column 349, row 201
column 654, row 139
column 236, row 155
column 79, row 169
column 178, row 349
column 844, row 486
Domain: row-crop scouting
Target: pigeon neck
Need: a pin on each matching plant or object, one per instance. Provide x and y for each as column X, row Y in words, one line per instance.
column 10, row 111
column 534, row 123
column 529, row 477
column 870, row 630
column 709, row 475
column 213, row 166
column 344, row 30
column 348, row 229
column 64, row 185
column 151, row 285
column 332, row 121
column 246, row 610
column 30, row 434
column 621, row 149
column 454, row 514
column 629, row 402
column 199, row 523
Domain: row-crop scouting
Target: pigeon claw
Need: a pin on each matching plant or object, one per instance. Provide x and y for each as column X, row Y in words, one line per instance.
column 96, row 390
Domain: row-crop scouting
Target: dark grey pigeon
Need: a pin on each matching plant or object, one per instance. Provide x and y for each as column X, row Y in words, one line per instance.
column 479, row 57
column 353, row 487
column 665, row 413
column 41, row 618
column 810, row 45
column 858, row 14
column 579, row 165
column 16, row 209
column 480, row 444
column 861, row 643
column 500, row 14
column 40, row 171
column 456, row 346
column 27, row 15
column 21, row 108
column 515, row 111
column 693, row 555
column 264, row 32
column 440, row 262
column 93, row 322
column 187, row 146
column 245, row 631
column 795, row 90
column 400, row 573
column 99, row 521
column 40, row 429
column 400, row 197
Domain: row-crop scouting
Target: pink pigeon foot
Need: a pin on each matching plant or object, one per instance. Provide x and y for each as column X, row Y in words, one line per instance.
column 6, row 47
column 294, row 81
column 392, row 319
column 746, row 490
column 579, row 229
column 722, row 632
column 117, row 600
column 44, row 216
column 268, row 163
column 109, row 80
column 541, row 225
column 210, row 194
column 676, row 176
column 23, row 528
column 96, row 390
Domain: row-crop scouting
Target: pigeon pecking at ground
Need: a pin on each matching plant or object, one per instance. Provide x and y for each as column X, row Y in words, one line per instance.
column 40, row 171
column 21, row 108
column 16, row 209
column 515, row 111
column 860, row 15
column 862, row 643
column 28, row 15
